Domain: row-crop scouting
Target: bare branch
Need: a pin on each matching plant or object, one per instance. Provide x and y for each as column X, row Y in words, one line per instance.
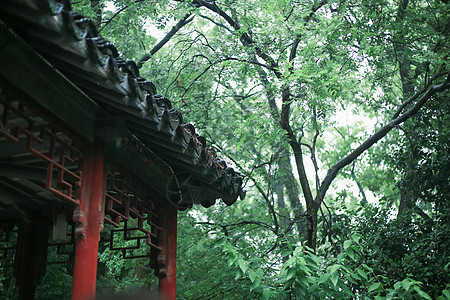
column 178, row 74
column 119, row 11
column 245, row 38
column 262, row 224
column 209, row 66
column 415, row 96
column 106, row 23
column 252, row 62
column 186, row 19
column 314, row 161
column 260, row 189
column 333, row 171
column 217, row 23
column 285, row 113
column 196, row 78
column 272, row 158
column 361, row 190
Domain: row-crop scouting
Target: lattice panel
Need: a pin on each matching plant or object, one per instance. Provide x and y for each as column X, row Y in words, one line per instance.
column 43, row 141
column 133, row 237
column 132, row 215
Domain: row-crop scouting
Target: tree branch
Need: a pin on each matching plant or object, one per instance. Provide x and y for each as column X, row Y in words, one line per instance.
column 245, row 38
column 186, row 19
column 416, row 95
column 260, row 189
column 252, row 62
column 106, row 23
column 217, row 23
column 224, row 226
column 333, row 171
column 314, row 161
column 361, row 190
column 119, row 11
column 196, row 78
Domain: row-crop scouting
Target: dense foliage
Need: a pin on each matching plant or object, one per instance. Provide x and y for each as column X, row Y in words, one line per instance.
column 337, row 114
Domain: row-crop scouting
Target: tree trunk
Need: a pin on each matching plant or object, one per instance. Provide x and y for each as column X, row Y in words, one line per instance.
column 406, row 78
column 279, row 191
column 291, row 185
column 97, row 7
column 311, row 224
column 312, row 206
column 289, row 181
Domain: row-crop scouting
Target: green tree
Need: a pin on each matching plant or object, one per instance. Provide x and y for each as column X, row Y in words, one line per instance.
column 267, row 82
column 313, row 58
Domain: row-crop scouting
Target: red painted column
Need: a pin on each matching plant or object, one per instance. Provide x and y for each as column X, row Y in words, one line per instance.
column 89, row 218
column 168, row 284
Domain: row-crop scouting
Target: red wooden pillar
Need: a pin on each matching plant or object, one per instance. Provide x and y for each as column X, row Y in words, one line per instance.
column 168, row 284
column 89, row 218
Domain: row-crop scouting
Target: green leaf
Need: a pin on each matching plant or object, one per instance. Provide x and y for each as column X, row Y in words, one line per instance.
column 259, row 273
column 334, row 278
column 255, row 284
column 367, row 267
column 312, row 279
column 341, row 257
column 406, row 283
column 219, row 243
column 231, row 260
column 356, row 237
column 347, row 244
column 239, row 274
column 362, row 273
column 288, row 263
column 290, row 273
column 243, row 265
column 323, row 278
column 334, row 268
column 421, row 293
column 252, row 275
column 355, row 276
column 350, row 253
column 267, row 293
column 355, row 248
column 373, row 287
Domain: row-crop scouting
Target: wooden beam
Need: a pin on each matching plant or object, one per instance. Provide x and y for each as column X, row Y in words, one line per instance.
column 144, row 165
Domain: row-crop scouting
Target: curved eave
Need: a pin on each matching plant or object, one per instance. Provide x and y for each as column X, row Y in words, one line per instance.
column 70, row 43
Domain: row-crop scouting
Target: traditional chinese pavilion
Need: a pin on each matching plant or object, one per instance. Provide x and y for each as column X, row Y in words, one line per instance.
column 86, row 142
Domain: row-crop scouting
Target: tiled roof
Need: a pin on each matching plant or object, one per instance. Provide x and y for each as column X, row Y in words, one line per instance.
column 70, row 42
